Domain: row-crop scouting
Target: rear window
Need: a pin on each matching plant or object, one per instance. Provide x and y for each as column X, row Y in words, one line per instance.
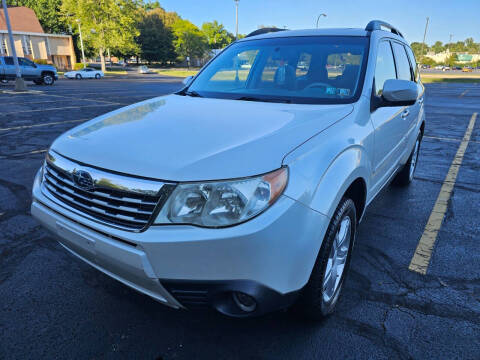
column 8, row 60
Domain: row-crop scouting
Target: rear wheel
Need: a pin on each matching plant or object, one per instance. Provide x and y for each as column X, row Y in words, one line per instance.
column 321, row 294
column 97, row 76
column 78, row 77
column 48, row 79
column 405, row 176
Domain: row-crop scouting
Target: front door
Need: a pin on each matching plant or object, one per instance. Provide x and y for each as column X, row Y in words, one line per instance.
column 387, row 121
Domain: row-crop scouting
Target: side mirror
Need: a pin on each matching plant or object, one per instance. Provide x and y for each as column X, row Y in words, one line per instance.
column 187, row 80
column 399, row 93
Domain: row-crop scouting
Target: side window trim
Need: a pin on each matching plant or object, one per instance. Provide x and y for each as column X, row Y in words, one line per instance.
column 413, row 67
column 412, row 72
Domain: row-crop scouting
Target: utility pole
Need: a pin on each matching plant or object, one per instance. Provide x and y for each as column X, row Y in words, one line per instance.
column 236, row 19
column 318, row 18
column 19, row 83
column 81, row 43
column 450, row 42
column 424, row 36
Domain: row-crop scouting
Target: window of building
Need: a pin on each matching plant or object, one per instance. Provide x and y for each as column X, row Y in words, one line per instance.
column 27, row 48
column 3, row 45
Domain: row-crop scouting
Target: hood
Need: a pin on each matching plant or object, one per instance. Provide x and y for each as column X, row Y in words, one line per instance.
column 46, row 67
column 180, row 138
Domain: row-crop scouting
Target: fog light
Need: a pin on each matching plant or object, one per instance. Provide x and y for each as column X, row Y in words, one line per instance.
column 244, row 302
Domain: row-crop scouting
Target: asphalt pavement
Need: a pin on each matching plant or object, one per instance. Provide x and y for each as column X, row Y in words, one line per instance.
column 55, row 306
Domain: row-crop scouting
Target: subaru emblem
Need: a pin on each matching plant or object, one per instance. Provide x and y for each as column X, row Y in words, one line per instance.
column 83, row 180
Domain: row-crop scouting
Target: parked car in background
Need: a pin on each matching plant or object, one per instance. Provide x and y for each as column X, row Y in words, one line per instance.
column 86, row 73
column 467, row 69
column 446, row 68
column 39, row 74
column 244, row 190
column 143, row 69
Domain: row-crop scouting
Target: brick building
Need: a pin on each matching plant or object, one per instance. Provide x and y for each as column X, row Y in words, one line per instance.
column 32, row 42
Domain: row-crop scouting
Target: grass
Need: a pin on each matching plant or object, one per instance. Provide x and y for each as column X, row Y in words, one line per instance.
column 177, row 72
column 450, row 78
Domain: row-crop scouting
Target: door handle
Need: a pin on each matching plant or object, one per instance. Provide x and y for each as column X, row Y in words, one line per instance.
column 405, row 114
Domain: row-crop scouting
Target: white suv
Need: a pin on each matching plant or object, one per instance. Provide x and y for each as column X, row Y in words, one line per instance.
column 244, row 190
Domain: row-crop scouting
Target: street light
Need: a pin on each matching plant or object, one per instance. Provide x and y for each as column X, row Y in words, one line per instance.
column 319, row 16
column 236, row 19
column 19, row 83
column 81, row 42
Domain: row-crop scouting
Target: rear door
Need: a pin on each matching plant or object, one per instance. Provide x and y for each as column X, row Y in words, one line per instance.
column 387, row 121
column 9, row 67
column 410, row 113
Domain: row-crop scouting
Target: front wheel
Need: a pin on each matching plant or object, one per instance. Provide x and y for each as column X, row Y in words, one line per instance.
column 97, row 76
column 321, row 294
column 405, row 176
column 48, row 79
column 78, row 77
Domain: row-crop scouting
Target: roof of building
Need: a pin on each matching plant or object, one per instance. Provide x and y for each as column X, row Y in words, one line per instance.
column 21, row 19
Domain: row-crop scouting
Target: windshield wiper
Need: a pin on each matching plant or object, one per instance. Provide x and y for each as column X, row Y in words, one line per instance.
column 253, row 98
column 192, row 93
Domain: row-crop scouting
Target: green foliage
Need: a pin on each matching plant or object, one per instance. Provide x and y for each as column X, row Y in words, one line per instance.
column 438, row 47
column 217, row 36
column 79, row 66
column 427, row 61
column 417, row 49
column 106, row 24
column 41, row 61
column 189, row 40
column 155, row 39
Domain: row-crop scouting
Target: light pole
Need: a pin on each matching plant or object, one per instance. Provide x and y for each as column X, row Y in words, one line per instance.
column 19, row 83
column 318, row 18
column 236, row 19
column 424, row 36
column 81, row 42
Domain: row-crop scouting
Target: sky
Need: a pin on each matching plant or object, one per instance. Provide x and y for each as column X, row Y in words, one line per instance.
column 459, row 18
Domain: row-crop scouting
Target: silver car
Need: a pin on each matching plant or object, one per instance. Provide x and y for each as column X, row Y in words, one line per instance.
column 244, row 190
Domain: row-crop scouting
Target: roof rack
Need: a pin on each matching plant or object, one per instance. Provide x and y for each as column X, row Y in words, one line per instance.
column 264, row 31
column 379, row 25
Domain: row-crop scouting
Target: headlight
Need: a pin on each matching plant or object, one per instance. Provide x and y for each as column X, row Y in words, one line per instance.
column 222, row 203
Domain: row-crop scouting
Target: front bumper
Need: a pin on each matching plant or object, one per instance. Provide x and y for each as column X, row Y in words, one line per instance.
column 269, row 257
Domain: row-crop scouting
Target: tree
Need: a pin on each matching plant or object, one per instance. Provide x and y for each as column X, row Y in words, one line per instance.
column 417, row 49
column 155, row 40
column 189, row 40
column 217, row 36
column 438, row 47
column 47, row 12
column 106, row 24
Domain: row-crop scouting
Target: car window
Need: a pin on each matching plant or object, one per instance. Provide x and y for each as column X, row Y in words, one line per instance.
column 25, row 62
column 385, row 66
column 413, row 62
column 87, row 69
column 320, row 69
column 404, row 72
column 235, row 71
column 8, row 60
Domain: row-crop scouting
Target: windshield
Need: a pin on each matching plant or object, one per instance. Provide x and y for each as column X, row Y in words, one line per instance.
column 319, row 70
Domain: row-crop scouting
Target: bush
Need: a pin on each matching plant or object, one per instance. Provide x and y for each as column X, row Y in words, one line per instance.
column 78, row 66
column 41, row 61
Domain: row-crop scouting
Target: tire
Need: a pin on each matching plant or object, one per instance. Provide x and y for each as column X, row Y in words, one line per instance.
column 48, row 79
column 405, row 176
column 97, row 76
column 38, row 82
column 319, row 296
column 78, row 77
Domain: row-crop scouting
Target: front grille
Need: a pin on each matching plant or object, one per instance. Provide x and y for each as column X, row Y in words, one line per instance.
column 115, row 200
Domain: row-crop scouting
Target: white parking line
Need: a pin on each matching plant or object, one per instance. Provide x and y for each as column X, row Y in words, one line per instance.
column 24, row 153
column 448, row 139
column 43, row 124
column 59, row 108
column 423, row 253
